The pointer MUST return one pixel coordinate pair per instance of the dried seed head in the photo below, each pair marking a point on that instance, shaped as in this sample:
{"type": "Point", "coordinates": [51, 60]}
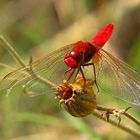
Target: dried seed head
{"type": "Point", "coordinates": [77, 98]}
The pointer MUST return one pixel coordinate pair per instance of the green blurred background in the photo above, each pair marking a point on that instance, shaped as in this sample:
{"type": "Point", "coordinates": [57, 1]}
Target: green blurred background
{"type": "Point", "coordinates": [38, 27]}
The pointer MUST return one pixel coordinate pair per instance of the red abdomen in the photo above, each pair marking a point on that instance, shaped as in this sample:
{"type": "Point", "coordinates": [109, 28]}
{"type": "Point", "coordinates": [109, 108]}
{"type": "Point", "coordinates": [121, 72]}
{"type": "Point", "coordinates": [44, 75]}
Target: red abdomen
{"type": "Point", "coordinates": [81, 53]}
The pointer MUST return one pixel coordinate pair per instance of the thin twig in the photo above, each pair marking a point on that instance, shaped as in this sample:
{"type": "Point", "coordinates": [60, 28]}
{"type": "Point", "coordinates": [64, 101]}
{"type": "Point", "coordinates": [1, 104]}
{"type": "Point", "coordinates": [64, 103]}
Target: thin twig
{"type": "Point", "coordinates": [122, 112]}
{"type": "Point", "coordinates": [45, 81]}
{"type": "Point", "coordinates": [122, 127]}
{"type": "Point", "coordinates": [11, 50]}
{"type": "Point", "coordinates": [132, 118]}
{"type": "Point", "coordinates": [6, 66]}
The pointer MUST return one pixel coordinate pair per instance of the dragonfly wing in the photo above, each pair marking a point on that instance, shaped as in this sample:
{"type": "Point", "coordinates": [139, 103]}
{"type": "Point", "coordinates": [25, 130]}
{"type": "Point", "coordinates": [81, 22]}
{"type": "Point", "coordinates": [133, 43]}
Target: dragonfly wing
{"type": "Point", "coordinates": [13, 78]}
{"type": "Point", "coordinates": [34, 88]}
{"type": "Point", "coordinates": [117, 78]}
{"type": "Point", "coordinates": [51, 67]}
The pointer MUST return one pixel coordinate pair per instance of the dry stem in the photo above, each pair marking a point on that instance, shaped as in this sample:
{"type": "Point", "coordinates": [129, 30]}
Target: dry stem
{"type": "Point", "coordinates": [120, 112]}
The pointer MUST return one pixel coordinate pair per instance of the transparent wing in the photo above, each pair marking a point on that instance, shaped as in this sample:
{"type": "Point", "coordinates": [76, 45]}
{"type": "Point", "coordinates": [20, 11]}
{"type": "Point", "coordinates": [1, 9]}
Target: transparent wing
{"type": "Point", "coordinates": [118, 78]}
{"type": "Point", "coordinates": [51, 68]}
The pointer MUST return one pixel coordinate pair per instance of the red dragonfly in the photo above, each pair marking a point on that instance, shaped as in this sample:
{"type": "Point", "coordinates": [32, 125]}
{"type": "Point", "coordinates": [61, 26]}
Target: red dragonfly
{"type": "Point", "coordinates": [112, 75]}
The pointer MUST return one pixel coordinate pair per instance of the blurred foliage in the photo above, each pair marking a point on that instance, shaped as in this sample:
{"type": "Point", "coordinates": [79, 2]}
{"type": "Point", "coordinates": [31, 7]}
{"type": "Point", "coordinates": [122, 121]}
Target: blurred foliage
{"type": "Point", "coordinates": [38, 27]}
{"type": "Point", "coordinates": [135, 53]}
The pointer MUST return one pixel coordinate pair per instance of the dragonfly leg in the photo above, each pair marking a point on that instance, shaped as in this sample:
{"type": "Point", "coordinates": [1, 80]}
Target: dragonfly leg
{"type": "Point", "coordinates": [94, 70]}
{"type": "Point", "coordinates": [70, 74]}
{"type": "Point", "coordinates": [80, 69]}
{"type": "Point", "coordinates": [73, 70]}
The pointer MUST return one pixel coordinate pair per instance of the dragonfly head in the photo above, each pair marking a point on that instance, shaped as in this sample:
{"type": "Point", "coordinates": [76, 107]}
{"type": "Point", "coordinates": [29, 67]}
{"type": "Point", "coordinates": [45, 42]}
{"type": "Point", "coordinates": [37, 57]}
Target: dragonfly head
{"type": "Point", "coordinates": [71, 59]}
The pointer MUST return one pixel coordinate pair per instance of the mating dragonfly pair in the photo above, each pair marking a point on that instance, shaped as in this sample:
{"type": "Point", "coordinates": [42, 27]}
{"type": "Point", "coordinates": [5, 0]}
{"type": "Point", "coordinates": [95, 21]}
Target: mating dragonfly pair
{"type": "Point", "coordinates": [109, 73]}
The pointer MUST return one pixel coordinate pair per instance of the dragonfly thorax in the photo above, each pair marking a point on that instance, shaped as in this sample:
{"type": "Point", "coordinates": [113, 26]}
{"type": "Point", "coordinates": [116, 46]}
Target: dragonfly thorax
{"type": "Point", "coordinates": [81, 53]}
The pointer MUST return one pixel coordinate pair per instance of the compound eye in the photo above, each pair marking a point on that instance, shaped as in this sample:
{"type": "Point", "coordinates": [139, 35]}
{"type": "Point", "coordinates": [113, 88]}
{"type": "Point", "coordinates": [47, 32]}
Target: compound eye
{"type": "Point", "coordinates": [70, 62]}
{"type": "Point", "coordinates": [73, 54]}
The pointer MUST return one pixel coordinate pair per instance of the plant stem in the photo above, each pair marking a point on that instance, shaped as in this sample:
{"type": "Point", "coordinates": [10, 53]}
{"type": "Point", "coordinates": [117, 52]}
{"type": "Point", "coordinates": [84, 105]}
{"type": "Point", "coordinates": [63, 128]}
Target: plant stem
{"type": "Point", "coordinates": [45, 81]}
{"type": "Point", "coordinates": [122, 127]}
{"type": "Point", "coordinates": [11, 50]}
{"type": "Point", "coordinates": [120, 112]}
{"type": "Point", "coordinates": [6, 66]}
{"type": "Point", "coordinates": [132, 118]}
